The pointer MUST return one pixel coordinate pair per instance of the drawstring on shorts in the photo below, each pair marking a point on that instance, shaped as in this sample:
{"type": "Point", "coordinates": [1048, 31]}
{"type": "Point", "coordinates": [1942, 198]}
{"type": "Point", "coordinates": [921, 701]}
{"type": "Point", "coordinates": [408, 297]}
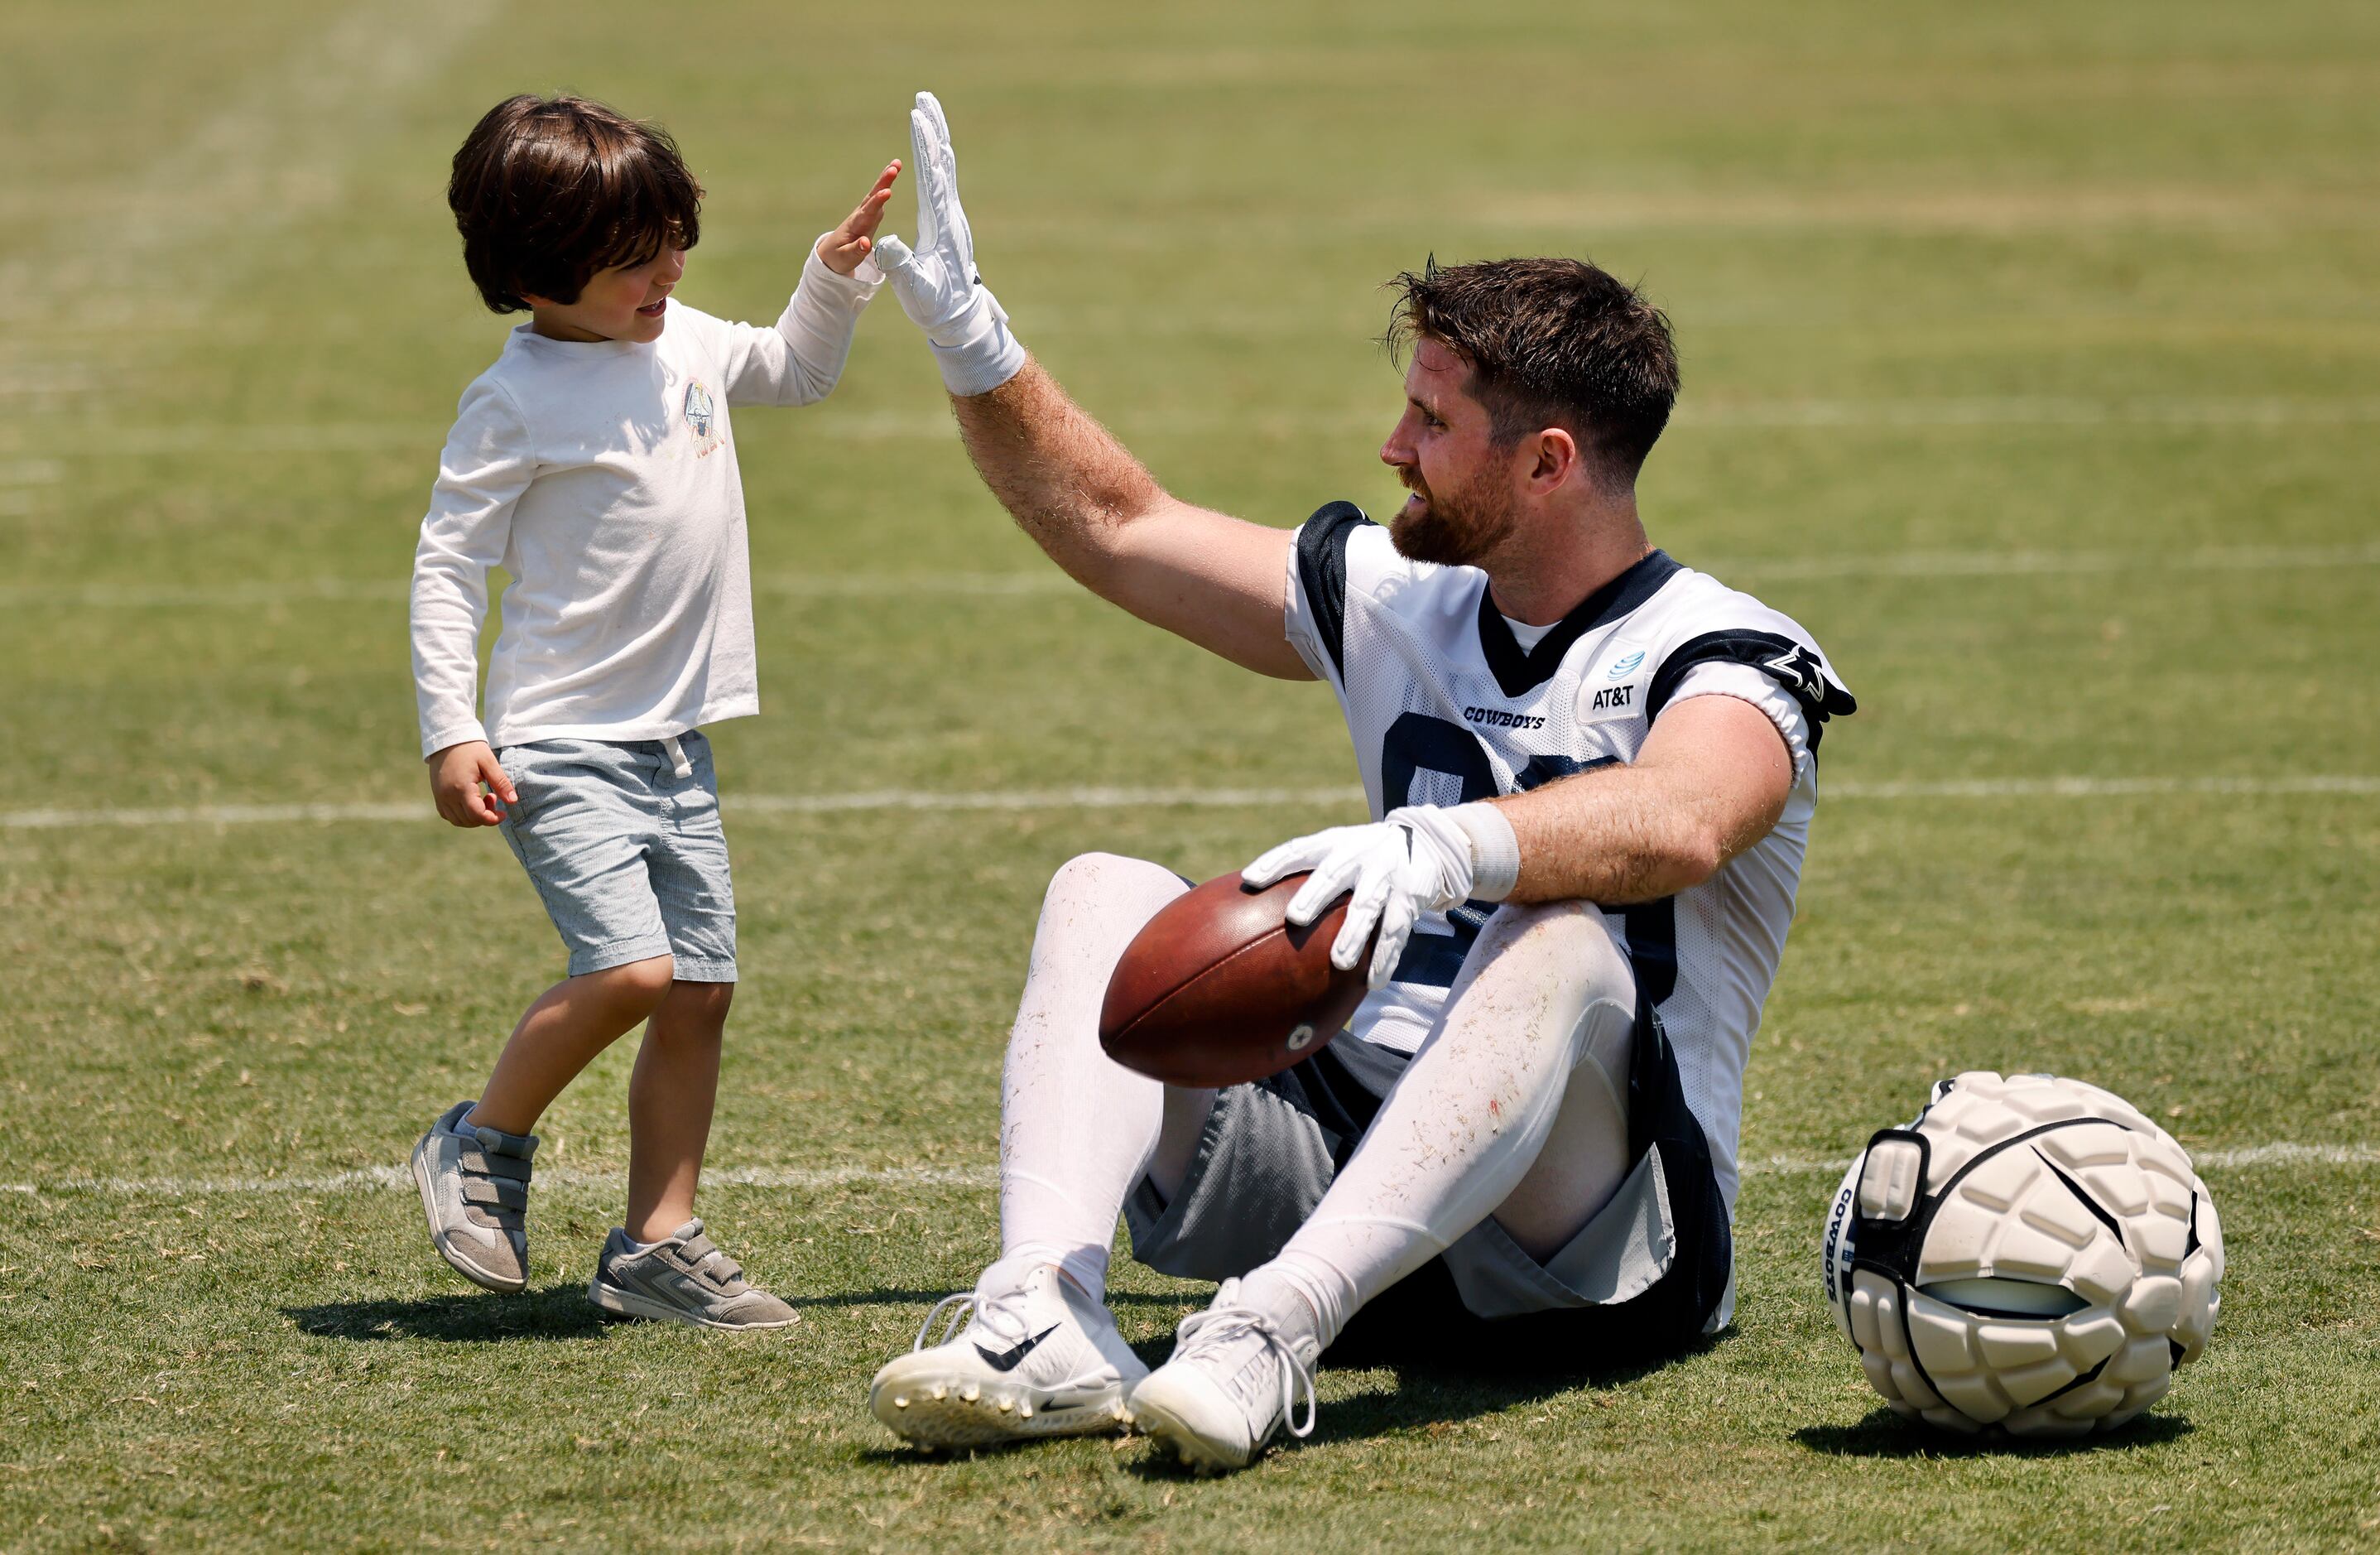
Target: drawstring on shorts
{"type": "Point", "coordinates": [678, 762]}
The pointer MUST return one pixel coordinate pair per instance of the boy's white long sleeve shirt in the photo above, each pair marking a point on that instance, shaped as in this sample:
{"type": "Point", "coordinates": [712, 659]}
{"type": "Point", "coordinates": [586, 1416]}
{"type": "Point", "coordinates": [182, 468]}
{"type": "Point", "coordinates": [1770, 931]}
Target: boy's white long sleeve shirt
{"type": "Point", "coordinates": [601, 476]}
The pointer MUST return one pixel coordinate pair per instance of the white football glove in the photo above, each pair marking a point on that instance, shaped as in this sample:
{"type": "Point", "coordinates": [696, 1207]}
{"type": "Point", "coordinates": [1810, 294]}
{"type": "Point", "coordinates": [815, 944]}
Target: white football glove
{"type": "Point", "coordinates": [936, 282]}
{"type": "Point", "coordinates": [1421, 859]}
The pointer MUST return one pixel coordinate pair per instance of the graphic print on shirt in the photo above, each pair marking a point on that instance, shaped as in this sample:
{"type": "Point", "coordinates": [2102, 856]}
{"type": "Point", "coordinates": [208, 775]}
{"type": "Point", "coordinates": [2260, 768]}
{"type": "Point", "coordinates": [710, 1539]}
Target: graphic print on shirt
{"type": "Point", "coordinates": [700, 414]}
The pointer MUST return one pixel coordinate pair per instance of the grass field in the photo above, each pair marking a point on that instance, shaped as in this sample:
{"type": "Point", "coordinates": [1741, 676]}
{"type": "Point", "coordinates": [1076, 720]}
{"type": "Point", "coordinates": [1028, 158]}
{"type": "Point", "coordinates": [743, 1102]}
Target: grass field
{"type": "Point", "coordinates": [2032, 359]}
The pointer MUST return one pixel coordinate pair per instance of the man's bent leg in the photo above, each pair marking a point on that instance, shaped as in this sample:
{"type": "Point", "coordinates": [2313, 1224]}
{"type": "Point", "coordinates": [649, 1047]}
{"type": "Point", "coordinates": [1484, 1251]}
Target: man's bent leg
{"type": "Point", "coordinates": [1585, 1156]}
{"type": "Point", "coordinates": [1469, 1128]}
{"type": "Point", "coordinates": [1543, 988]}
{"type": "Point", "coordinates": [1077, 1129]}
{"type": "Point", "coordinates": [1031, 1350]}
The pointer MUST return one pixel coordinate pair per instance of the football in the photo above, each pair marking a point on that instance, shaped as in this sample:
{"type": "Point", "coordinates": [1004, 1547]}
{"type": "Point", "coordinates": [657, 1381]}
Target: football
{"type": "Point", "coordinates": [2029, 1255]}
{"type": "Point", "coordinates": [1217, 989]}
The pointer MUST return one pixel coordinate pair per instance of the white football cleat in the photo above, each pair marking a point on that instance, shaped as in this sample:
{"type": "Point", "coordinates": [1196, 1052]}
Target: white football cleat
{"type": "Point", "coordinates": [1038, 1357]}
{"type": "Point", "coordinates": [1232, 1382]}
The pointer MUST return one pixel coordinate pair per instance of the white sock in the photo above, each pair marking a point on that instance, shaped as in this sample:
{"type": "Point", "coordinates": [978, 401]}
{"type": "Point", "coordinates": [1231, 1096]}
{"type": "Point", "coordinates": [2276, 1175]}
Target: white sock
{"type": "Point", "coordinates": [1076, 1128]}
{"type": "Point", "coordinates": [1543, 988]}
{"type": "Point", "coordinates": [1274, 1292]}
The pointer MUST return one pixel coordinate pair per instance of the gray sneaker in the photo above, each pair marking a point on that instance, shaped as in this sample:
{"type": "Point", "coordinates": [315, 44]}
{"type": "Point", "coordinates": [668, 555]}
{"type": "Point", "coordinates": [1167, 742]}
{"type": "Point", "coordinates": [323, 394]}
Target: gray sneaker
{"type": "Point", "coordinates": [683, 1278]}
{"type": "Point", "coordinates": [474, 1185]}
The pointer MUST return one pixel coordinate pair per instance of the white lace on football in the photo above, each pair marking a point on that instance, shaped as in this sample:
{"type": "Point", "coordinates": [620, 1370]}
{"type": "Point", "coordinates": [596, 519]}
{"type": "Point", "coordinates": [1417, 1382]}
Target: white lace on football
{"type": "Point", "coordinates": [1218, 1327]}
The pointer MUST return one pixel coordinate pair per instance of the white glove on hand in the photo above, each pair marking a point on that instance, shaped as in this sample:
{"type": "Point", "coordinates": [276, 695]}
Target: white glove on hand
{"type": "Point", "coordinates": [936, 283]}
{"type": "Point", "coordinates": [1418, 860]}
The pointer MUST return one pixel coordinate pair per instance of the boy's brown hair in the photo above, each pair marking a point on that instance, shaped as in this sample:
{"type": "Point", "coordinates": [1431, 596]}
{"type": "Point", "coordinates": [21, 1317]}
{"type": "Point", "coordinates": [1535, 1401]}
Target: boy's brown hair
{"type": "Point", "coordinates": [1551, 341]}
{"type": "Point", "coordinates": [549, 190]}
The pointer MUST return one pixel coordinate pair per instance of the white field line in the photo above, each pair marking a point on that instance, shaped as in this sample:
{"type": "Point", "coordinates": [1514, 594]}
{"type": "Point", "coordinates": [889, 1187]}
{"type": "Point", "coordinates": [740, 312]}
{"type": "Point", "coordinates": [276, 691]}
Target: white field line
{"type": "Point", "coordinates": [1043, 582]}
{"type": "Point", "coordinates": [381, 1179]}
{"type": "Point", "coordinates": [1996, 211]}
{"type": "Point", "coordinates": [423, 437]}
{"type": "Point", "coordinates": [45, 380]}
{"type": "Point", "coordinates": [735, 804]}
{"type": "Point", "coordinates": [306, 590]}
{"type": "Point", "coordinates": [1980, 411]}
{"type": "Point", "coordinates": [1013, 799]}
{"type": "Point", "coordinates": [2101, 788]}
{"type": "Point", "coordinates": [2053, 564]}
{"type": "Point", "coordinates": [1042, 800]}
{"type": "Point", "coordinates": [2032, 411]}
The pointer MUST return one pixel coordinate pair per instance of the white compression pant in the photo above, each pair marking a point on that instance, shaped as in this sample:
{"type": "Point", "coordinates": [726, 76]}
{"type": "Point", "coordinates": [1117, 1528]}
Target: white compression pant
{"type": "Point", "coordinates": [1512, 1106]}
{"type": "Point", "coordinates": [1486, 1120]}
{"type": "Point", "coordinates": [1076, 1128]}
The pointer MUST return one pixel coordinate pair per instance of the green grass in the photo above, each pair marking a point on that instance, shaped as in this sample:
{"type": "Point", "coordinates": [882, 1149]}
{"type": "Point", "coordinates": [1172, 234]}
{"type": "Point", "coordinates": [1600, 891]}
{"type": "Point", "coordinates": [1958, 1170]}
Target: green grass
{"type": "Point", "coordinates": [2093, 282]}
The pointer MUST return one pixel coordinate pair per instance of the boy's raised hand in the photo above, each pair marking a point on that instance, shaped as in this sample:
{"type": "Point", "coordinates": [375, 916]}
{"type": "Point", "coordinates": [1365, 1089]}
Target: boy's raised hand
{"type": "Point", "coordinates": [456, 774]}
{"type": "Point", "coordinates": [844, 249]}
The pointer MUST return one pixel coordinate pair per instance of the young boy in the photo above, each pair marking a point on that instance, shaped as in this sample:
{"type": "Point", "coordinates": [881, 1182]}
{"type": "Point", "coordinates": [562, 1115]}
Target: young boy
{"type": "Point", "coordinates": [595, 463]}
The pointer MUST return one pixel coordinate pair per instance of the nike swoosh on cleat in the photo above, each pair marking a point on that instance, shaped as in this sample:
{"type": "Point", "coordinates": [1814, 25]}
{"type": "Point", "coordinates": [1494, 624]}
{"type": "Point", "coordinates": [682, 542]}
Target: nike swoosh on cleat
{"type": "Point", "coordinates": [1006, 1360]}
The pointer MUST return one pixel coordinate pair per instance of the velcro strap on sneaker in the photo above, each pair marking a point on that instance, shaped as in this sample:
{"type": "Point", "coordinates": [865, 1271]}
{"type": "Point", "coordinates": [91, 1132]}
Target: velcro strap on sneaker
{"type": "Point", "coordinates": [499, 1143]}
{"type": "Point", "coordinates": [497, 1191]}
{"type": "Point", "coordinates": [704, 1257]}
{"type": "Point", "coordinates": [486, 1164]}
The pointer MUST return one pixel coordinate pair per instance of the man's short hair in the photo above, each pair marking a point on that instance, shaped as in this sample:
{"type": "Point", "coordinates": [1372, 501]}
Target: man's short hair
{"type": "Point", "coordinates": [1551, 341]}
{"type": "Point", "coordinates": [549, 190]}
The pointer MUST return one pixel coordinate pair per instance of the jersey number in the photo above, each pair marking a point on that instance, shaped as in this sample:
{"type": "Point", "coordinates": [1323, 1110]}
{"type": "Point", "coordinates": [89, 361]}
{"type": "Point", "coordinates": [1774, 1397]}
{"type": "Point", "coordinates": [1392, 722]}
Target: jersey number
{"type": "Point", "coordinates": [1427, 760]}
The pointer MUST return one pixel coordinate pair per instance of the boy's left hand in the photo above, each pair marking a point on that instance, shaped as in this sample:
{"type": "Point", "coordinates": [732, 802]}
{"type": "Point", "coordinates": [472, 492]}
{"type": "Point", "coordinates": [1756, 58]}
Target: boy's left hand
{"type": "Point", "coordinates": [843, 249]}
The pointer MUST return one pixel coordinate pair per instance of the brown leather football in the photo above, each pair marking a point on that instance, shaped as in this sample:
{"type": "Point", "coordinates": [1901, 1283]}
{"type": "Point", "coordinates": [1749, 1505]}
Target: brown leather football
{"type": "Point", "coordinates": [1217, 989]}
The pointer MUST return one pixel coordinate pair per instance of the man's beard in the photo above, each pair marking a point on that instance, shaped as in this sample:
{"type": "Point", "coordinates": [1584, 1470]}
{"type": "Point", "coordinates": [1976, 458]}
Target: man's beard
{"type": "Point", "coordinates": [1455, 529]}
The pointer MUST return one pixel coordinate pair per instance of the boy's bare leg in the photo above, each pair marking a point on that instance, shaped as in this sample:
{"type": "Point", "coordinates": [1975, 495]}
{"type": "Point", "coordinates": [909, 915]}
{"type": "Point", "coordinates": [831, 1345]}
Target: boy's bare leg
{"type": "Point", "coordinates": [561, 1034]}
{"type": "Point", "coordinates": [671, 1095]}
{"type": "Point", "coordinates": [473, 1165]}
{"type": "Point", "coordinates": [646, 1269]}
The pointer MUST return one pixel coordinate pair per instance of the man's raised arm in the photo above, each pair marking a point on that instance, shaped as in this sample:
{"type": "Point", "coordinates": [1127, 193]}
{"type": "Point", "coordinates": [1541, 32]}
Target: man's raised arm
{"type": "Point", "coordinates": [1217, 580]}
{"type": "Point", "coordinates": [1214, 579]}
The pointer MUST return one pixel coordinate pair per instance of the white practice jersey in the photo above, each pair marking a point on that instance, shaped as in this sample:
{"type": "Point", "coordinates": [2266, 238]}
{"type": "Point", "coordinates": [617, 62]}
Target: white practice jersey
{"type": "Point", "coordinates": [1445, 706]}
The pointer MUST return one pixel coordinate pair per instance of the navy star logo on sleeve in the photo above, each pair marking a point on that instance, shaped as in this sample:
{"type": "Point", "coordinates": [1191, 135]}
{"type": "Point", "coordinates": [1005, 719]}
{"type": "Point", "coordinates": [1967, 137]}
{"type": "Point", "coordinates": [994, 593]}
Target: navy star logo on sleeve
{"type": "Point", "coordinates": [1799, 669]}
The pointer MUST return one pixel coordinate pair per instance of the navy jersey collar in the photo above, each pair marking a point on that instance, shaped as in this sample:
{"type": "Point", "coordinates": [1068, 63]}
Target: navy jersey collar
{"type": "Point", "coordinates": [1518, 672]}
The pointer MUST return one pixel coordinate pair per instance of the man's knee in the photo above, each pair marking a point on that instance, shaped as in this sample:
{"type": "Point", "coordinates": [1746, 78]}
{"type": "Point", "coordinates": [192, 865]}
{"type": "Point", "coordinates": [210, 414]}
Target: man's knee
{"type": "Point", "coordinates": [1554, 972]}
{"type": "Point", "coordinates": [1081, 876]}
{"type": "Point", "coordinates": [1572, 940]}
{"type": "Point", "coordinates": [1088, 877]}
{"type": "Point", "coordinates": [1097, 901]}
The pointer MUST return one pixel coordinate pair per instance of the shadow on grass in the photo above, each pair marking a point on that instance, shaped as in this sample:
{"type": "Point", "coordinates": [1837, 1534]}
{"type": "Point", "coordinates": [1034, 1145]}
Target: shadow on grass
{"type": "Point", "coordinates": [885, 1295]}
{"type": "Point", "coordinates": [1883, 1434]}
{"type": "Point", "coordinates": [882, 1295]}
{"type": "Point", "coordinates": [908, 1455]}
{"type": "Point", "coordinates": [1449, 1367]}
{"type": "Point", "coordinates": [1439, 1383]}
{"type": "Point", "coordinates": [561, 1311]}
{"type": "Point", "coordinates": [556, 1312]}
{"type": "Point", "coordinates": [1429, 1398]}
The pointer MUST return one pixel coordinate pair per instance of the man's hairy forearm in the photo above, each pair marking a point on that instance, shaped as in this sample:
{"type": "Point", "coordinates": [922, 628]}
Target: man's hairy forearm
{"type": "Point", "coordinates": [1711, 781]}
{"type": "Point", "coordinates": [1068, 482]}
{"type": "Point", "coordinates": [1613, 836]}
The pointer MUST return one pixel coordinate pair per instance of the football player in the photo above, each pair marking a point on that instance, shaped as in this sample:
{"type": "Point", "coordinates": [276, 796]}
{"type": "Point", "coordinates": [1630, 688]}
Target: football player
{"type": "Point", "coordinates": [1592, 773]}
